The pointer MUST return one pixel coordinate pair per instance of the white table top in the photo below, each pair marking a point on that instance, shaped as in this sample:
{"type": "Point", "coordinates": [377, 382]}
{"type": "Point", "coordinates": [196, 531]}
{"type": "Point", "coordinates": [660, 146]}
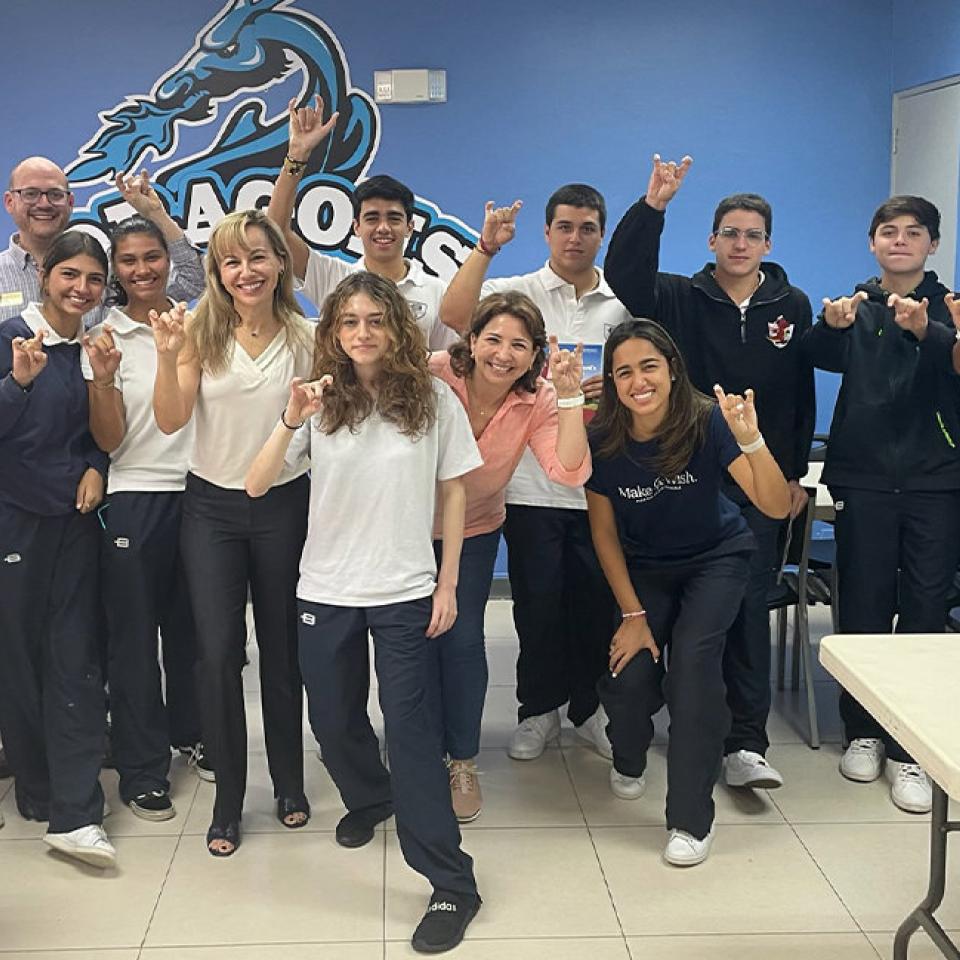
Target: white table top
{"type": "Point", "coordinates": [910, 682]}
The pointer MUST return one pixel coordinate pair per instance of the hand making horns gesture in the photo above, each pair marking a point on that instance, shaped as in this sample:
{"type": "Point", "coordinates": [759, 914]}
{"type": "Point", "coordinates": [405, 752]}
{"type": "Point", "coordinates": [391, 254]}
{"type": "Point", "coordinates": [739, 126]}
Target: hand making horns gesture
{"type": "Point", "coordinates": [29, 358]}
{"type": "Point", "coordinates": [499, 224]}
{"type": "Point", "coordinates": [566, 369]}
{"type": "Point", "coordinates": [103, 355]}
{"type": "Point", "coordinates": [910, 315]}
{"type": "Point", "coordinates": [306, 398]}
{"type": "Point", "coordinates": [169, 328]}
{"type": "Point", "coordinates": [665, 180]}
{"type": "Point", "coordinates": [841, 313]}
{"type": "Point", "coordinates": [307, 129]}
{"type": "Point", "coordinates": [740, 414]}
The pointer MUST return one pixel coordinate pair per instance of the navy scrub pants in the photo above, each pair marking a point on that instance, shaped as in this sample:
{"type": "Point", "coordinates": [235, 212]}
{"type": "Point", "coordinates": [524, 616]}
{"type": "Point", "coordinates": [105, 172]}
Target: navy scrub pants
{"type": "Point", "coordinates": [51, 691]}
{"type": "Point", "coordinates": [746, 657]}
{"type": "Point", "coordinates": [896, 557]}
{"type": "Point", "coordinates": [231, 541]}
{"type": "Point", "coordinates": [562, 608]}
{"type": "Point", "coordinates": [145, 590]}
{"type": "Point", "coordinates": [334, 660]}
{"type": "Point", "coordinates": [689, 610]}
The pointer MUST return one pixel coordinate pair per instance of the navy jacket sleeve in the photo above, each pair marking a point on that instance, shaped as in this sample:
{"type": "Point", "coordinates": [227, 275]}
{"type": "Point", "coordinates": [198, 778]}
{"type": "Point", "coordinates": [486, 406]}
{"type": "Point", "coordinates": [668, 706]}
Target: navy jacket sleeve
{"type": "Point", "coordinates": [826, 347]}
{"type": "Point", "coordinates": [13, 398]}
{"type": "Point", "coordinates": [633, 257]}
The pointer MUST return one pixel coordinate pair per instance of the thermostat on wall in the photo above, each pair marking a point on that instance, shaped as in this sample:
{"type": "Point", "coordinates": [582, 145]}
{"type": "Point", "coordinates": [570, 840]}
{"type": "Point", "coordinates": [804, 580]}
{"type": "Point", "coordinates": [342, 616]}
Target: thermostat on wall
{"type": "Point", "coordinates": [410, 86]}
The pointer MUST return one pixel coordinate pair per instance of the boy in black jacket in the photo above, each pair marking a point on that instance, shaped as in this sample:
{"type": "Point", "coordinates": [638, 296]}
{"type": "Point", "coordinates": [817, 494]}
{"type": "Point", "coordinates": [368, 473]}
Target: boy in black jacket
{"type": "Point", "coordinates": [893, 465]}
{"type": "Point", "coordinates": [739, 322]}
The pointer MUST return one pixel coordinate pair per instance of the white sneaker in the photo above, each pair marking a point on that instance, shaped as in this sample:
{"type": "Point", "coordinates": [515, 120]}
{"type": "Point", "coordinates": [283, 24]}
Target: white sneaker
{"type": "Point", "coordinates": [530, 738]}
{"type": "Point", "coordinates": [862, 760]}
{"type": "Point", "coordinates": [745, 768]}
{"type": "Point", "coordinates": [89, 844]}
{"type": "Point", "coordinates": [910, 787]}
{"type": "Point", "coordinates": [593, 731]}
{"type": "Point", "coordinates": [627, 788]}
{"type": "Point", "coordinates": [685, 850]}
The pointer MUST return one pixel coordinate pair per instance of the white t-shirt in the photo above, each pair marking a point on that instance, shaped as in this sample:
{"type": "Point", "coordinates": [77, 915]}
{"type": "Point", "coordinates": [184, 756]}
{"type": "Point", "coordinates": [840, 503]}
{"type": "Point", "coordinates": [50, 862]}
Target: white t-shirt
{"type": "Point", "coordinates": [237, 409]}
{"type": "Point", "coordinates": [419, 289]}
{"type": "Point", "coordinates": [147, 459]}
{"type": "Point", "coordinates": [372, 495]}
{"type": "Point", "coordinates": [590, 320]}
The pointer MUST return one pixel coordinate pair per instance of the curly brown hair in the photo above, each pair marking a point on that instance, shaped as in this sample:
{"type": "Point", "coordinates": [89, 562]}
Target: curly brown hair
{"type": "Point", "coordinates": [405, 393]}
{"type": "Point", "coordinates": [513, 304]}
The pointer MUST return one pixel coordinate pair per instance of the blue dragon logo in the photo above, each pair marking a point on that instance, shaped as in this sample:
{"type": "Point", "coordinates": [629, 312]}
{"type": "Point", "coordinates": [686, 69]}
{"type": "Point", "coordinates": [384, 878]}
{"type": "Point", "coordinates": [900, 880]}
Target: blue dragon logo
{"type": "Point", "coordinates": [251, 47]}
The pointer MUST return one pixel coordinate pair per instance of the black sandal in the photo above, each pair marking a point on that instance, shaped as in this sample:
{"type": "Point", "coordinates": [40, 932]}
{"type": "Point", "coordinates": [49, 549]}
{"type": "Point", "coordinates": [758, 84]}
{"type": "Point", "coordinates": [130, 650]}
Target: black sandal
{"type": "Point", "coordinates": [290, 807]}
{"type": "Point", "coordinates": [229, 833]}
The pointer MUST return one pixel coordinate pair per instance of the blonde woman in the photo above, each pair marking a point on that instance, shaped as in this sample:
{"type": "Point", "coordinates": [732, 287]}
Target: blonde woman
{"type": "Point", "coordinates": [229, 366]}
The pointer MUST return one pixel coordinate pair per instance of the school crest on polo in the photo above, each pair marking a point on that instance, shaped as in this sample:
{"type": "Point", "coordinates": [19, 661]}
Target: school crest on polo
{"type": "Point", "coordinates": [780, 332]}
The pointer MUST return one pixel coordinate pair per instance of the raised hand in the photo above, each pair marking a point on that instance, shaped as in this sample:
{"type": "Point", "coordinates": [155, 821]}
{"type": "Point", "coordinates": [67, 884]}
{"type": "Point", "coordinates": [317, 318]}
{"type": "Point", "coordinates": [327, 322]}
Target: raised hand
{"type": "Point", "coordinates": [169, 329]}
{"type": "Point", "coordinates": [103, 355]}
{"type": "Point", "coordinates": [307, 129]}
{"type": "Point", "coordinates": [665, 180]}
{"type": "Point", "coordinates": [499, 224]}
{"type": "Point", "coordinates": [29, 358]}
{"type": "Point", "coordinates": [89, 491]}
{"type": "Point", "coordinates": [740, 414]}
{"type": "Point", "coordinates": [566, 369]}
{"type": "Point", "coordinates": [841, 313]}
{"type": "Point", "coordinates": [306, 398]}
{"type": "Point", "coordinates": [953, 305]}
{"type": "Point", "coordinates": [136, 190]}
{"type": "Point", "coordinates": [910, 315]}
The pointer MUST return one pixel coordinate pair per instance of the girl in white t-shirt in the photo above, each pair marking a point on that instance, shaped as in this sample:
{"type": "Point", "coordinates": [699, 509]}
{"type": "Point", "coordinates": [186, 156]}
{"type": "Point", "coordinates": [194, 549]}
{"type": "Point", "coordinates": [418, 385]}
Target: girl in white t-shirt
{"type": "Point", "coordinates": [384, 437]}
{"type": "Point", "coordinates": [229, 366]}
{"type": "Point", "coordinates": [143, 586]}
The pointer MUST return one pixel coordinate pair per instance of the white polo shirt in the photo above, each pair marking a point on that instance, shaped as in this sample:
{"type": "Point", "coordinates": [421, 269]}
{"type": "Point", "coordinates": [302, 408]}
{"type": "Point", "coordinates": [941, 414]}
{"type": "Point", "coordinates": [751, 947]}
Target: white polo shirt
{"type": "Point", "coordinates": [147, 459]}
{"type": "Point", "coordinates": [589, 319]}
{"type": "Point", "coordinates": [418, 288]}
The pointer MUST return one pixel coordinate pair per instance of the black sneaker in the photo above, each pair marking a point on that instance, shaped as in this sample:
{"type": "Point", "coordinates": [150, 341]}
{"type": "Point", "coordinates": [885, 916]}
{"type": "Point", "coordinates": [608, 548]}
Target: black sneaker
{"type": "Point", "coordinates": [197, 758]}
{"type": "Point", "coordinates": [356, 828]}
{"type": "Point", "coordinates": [155, 805]}
{"type": "Point", "coordinates": [445, 922]}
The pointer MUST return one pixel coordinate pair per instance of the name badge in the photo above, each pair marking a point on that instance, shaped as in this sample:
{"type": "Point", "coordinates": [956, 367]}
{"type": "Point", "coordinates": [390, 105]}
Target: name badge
{"type": "Point", "coordinates": [12, 298]}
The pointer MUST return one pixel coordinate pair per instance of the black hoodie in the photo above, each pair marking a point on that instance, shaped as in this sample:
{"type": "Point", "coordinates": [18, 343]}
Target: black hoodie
{"type": "Point", "coordinates": [895, 426]}
{"type": "Point", "coordinates": [759, 348]}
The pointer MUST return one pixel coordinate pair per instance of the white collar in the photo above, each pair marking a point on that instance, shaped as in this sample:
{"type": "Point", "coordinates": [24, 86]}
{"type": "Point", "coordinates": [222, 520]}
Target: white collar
{"type": "Point", "coordinates": [36, 321]}
{"type": "Point", "coordinates": [552, 280]}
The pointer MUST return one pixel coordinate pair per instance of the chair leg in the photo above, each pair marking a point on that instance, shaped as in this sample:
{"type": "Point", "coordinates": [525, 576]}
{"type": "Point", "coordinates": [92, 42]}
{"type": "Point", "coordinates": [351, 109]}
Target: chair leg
{"type": "Point", "coordinates": [834, 600]}
{"type": "Point", "coordinates": [807, 649]}
{"type": "Point", "coordinates": [781, 647]}
{"type": "Point", "coordinates": [795, 651]}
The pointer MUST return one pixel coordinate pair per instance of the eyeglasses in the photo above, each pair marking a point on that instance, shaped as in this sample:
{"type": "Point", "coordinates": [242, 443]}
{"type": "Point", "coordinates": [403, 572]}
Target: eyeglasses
{"type": "Point", "coordinates": [753, 237]}
{"type": "Point", "coordinates": [56, 197]}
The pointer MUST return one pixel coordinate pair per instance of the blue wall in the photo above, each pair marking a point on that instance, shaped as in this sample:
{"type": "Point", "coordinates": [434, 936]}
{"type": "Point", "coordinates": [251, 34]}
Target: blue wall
{"type": "Point", "coordinates": [927, 41]}
{"type": "Point", "coordinates": [789, 100]}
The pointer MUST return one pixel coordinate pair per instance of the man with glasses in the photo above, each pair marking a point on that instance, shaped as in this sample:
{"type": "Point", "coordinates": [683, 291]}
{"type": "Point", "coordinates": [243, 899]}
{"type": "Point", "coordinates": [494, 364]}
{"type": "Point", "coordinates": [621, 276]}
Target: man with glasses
{"type": "Point", "coordinates": [738, 322]}
{"type": "Point", "coordinates": [40, 202]}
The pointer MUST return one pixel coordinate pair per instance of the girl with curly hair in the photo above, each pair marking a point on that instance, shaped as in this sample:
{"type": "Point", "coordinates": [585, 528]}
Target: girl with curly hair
{"type": "Point", "coordinates": [383, 436]}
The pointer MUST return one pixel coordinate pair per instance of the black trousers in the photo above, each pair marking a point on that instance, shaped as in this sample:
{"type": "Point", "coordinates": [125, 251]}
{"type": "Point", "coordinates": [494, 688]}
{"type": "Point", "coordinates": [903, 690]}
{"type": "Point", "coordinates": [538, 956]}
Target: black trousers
{"type": "Point", "coordinates": [231, 541]}
{"type": "Point", "coordinates": [896, 557]}
{"type": "Point", "coordinates": [746, 657]}
{"type": "Point", "coordinates": [145, 590]}
{"type": "Point", "coordinates": [689, 610]}
{"type": "Point", "coordinates": [51, 690]}
{"type": "Point", "coordinates": [335, 662]}
{"type": "Point", "coordinates": [562, 608]}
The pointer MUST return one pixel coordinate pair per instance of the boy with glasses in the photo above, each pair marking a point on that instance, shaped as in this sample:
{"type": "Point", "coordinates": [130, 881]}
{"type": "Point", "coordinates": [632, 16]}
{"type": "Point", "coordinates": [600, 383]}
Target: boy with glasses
{"type": "Point", "coordinates": [738, 322]}
{"type": "Point", "coordinates": [892, 465]}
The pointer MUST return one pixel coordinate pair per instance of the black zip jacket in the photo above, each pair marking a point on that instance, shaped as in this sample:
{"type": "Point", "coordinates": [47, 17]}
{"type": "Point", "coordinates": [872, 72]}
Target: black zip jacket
{"type": "Point", "coordinates": [895, 426]}
{"type": "Point", "coordinates": [759, 348]}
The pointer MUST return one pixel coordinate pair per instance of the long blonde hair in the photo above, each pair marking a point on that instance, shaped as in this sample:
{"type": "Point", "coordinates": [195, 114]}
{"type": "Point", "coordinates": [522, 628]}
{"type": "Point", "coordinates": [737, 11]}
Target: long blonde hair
{"type": "Point", "coordinates": [210, 333]}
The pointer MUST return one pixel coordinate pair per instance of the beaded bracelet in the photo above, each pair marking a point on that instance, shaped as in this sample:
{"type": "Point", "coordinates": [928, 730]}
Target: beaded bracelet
{"type": "Point", "coordinates": [283, 420]}
{"type": "Point", "coordinates": [294, 167]}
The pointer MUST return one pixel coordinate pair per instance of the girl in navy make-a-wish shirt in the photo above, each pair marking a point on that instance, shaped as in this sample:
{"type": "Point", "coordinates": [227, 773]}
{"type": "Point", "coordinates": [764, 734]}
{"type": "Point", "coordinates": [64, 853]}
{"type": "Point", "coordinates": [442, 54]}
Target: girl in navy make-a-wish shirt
{"type": "Point", "coordinates": [674, 550]}
{"type": "Point", "coordinates": [52, 707]}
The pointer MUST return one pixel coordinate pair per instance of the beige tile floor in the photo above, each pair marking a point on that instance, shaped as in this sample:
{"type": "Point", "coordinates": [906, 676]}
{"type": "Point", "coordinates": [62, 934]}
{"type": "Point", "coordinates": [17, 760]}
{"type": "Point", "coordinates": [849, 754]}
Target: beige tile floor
{"type": "Point", "coordinates": [821, 868]}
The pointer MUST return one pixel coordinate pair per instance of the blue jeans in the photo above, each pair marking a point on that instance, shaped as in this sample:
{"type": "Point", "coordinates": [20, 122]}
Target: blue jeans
{"type": "Point", "coordinates": [459, 655]}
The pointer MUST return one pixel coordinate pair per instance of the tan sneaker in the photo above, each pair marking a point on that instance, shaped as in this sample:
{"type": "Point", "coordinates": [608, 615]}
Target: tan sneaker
{"type": "Point", "coordinates": [465, 789]}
